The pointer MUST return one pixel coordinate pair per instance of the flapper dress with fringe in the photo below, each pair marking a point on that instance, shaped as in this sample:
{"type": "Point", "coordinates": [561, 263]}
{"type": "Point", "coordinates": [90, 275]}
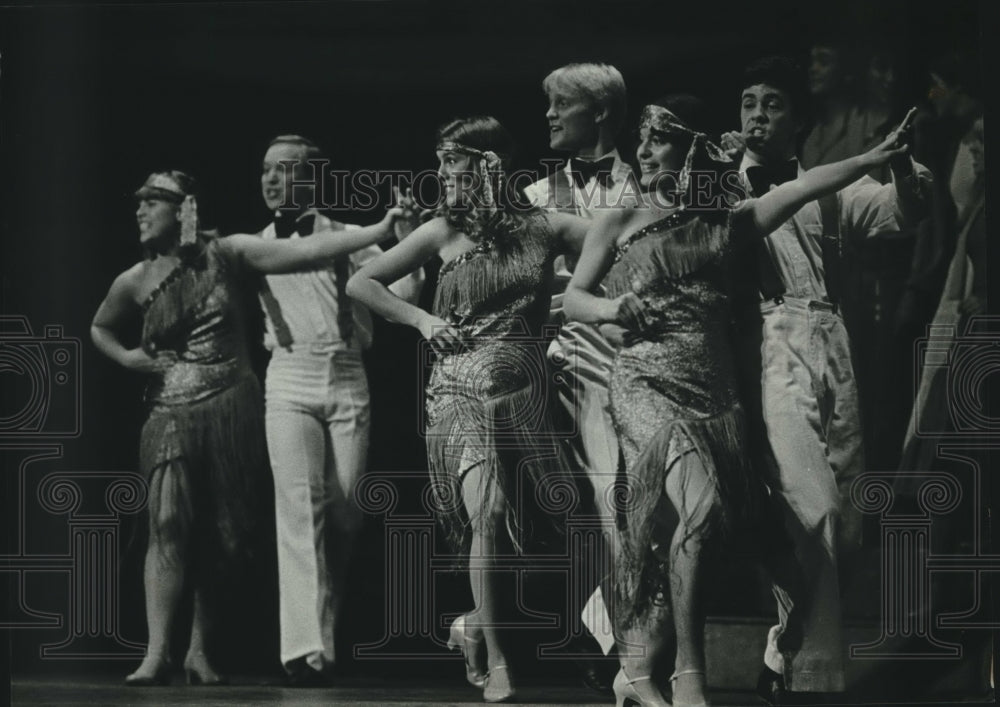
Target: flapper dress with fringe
{"type": "Point", "coordinates": [673, 390]}
{"type": "Point", "coordinates": [205, 420]}
{"type": "Point", "coordinates": [488, 403]}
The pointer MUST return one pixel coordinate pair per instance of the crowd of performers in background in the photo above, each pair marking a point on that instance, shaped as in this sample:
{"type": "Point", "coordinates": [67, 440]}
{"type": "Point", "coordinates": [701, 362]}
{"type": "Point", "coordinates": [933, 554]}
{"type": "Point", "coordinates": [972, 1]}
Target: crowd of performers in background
{"type": "Point", "coordinates": [731, 365]}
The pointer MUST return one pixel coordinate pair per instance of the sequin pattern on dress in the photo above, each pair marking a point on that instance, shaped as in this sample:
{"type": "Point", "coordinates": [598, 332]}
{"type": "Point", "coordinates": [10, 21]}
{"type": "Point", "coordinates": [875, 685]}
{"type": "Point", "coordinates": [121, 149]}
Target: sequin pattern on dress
{"type": "Point", "coordinates": [488, 403]}
{"type": "Point", "coordinates": [673, 390]}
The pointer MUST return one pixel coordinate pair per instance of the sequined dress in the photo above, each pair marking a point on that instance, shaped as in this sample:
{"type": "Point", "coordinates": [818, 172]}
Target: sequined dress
{"type": "Point", "coordinates": [205, 413]}
{"type": "Point", "coordinates": [489, 403]}
{"type": "Point", "coordinates": [673, 391]}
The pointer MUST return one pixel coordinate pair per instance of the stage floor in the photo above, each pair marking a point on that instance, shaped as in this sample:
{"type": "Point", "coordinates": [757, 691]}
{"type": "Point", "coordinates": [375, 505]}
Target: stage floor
{"type": "Point", "coordinates": [108, 691]}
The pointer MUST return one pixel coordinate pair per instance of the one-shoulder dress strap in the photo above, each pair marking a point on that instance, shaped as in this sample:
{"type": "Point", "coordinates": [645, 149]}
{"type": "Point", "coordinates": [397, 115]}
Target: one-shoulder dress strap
{"type": "Point", "coordinates": [657, 226]}
{"type": "Point", "coordinates": [162, 286]}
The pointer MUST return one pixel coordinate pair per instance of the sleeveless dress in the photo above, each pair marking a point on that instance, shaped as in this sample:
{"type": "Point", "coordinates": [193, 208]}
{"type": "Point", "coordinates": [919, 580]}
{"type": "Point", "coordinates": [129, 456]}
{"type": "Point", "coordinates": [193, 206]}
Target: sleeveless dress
{"type": "Point", "coordinates": [673, 390]}
{"type": "Point", "coordinates": [489, 403]}
{"type": "Point", "coordinates": [205, 413]}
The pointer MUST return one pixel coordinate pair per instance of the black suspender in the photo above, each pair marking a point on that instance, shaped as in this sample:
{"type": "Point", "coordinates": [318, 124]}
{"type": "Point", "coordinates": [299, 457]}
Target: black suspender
{"type": "Point", "coordinates": [833, 247]}
{"type": "Point", "coordinates": [771, 285]}
{"type": "Point", "coordinates": [345, 314]}
{"type": "Point", "coordinates": [281, 330]}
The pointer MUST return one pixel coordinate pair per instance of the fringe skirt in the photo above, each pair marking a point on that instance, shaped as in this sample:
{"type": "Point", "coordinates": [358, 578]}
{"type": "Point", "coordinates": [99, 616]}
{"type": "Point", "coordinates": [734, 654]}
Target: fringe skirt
{"type": "Point", "coordinates": [214, 448]}
{"type": "Point", "coordinates": [492, 407]}
{"type": "Point", "coordinates": [660, 419]}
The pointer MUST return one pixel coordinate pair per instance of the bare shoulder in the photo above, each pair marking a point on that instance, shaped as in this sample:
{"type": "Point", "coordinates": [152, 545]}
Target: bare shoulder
{"type": "Point", "coordinates": [131, 280]}
{"type": "Point", "coordinates": [130, 284]}
{"type": "Point", "coordinates": [622, 220]}
{"type": "Point", "coordinates": [635, 217]}
{"type": "Point", "coordinates": [437, 233]}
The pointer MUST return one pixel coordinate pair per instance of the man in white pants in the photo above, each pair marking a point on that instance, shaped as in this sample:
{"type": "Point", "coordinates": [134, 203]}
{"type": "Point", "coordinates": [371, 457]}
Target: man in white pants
{"type": "Point", "coordinates": [586, 112]}
{"type": "Point", "coordinates": [317, 418]}
{"type": "Point", "coordinates": [808, 395]}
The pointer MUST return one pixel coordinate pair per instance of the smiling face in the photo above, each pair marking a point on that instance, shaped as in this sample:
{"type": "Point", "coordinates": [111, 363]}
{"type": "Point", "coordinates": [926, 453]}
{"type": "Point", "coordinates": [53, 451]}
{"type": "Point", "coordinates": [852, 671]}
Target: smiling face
{"type": "Point", "coordinates": [277, 175]}
{"type": "Point", "coordinates": [455, 170]}
{"type": "Point", "coordinates": [573, 122]}
{"type": "Point", "coordinates": [660, 159]}
{"type": "Point", "coordinates": [158, 220]}
{"type": "Point", "coordinates": [769, 126]}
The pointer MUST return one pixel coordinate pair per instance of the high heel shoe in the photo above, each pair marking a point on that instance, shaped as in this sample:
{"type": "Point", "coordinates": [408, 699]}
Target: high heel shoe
{"type": "Point", "coordinates": [160, 676]}
{"type": "Point", "coordinates": [202, 673]}
{"type": "Point", "coordinates": [627, 692]}
{"type": "Point", "coordinates": [679, 703]}
{"type": "Point", "coordinates": [498, 689]}
{"type": "Point", "coordinates": [458, 638]}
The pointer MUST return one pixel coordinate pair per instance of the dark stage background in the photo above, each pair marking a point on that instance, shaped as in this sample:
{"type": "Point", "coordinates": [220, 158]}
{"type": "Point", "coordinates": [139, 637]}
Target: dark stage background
{"type": "Point", "coordinates": [94, 98]}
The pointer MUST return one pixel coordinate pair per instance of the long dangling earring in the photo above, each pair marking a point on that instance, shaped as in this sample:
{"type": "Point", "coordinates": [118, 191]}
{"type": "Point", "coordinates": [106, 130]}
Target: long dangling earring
{"type": "Point", "coordinates": [189, 221]}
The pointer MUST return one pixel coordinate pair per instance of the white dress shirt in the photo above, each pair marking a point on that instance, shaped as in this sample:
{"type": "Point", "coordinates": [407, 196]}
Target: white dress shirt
{"type": "Point", "coordinates": [308, 300]}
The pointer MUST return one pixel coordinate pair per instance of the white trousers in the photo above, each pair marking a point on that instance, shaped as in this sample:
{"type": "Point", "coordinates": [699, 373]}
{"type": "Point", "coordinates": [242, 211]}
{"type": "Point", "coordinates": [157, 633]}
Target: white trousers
{"type": "Point", "coordinates": [317, 424]}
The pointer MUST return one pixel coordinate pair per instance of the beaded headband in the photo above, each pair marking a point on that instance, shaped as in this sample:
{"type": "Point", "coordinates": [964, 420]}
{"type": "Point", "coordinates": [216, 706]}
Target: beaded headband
{"type": "Point", "coordinates": [489, 162]}
{"type": "Point", "coordinates": [663, 120]}
{"type": "Point", "coordinates": [161, 186]}
{"type": "Point", "coordinates": [164, 187]}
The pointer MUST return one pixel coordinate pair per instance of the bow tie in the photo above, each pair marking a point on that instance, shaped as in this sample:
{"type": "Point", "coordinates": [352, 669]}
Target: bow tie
{"type": "Point", "coordinates": [761, 177]}
{"type": "Point", "coordinates": [584, 170]}
{"type": "Point", "coordinates": [287, 224]}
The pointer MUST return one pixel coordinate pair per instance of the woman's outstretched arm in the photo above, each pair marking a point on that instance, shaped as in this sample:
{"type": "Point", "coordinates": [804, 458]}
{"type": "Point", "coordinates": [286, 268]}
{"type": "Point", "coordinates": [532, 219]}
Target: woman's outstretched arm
{"type": "Point", "coordinates": [777, 206]}
{"type": "Point", "coordinates": [288, 255]}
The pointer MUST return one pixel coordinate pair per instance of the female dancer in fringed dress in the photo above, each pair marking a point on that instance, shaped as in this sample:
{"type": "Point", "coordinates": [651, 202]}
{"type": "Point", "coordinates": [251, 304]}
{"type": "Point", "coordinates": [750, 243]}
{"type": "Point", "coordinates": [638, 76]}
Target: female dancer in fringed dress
{"type": "Point", "coordinates": [496, 472]}
{"type": "Point", "coordinates": [673, 387]}
{"type": "Point", "coordinates": [202, 445]}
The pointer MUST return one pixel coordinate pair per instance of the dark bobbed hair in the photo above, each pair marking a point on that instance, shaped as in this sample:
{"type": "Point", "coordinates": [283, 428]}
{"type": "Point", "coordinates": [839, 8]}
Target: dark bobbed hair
{"type": "Point", "coordinates": [784, 73]}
